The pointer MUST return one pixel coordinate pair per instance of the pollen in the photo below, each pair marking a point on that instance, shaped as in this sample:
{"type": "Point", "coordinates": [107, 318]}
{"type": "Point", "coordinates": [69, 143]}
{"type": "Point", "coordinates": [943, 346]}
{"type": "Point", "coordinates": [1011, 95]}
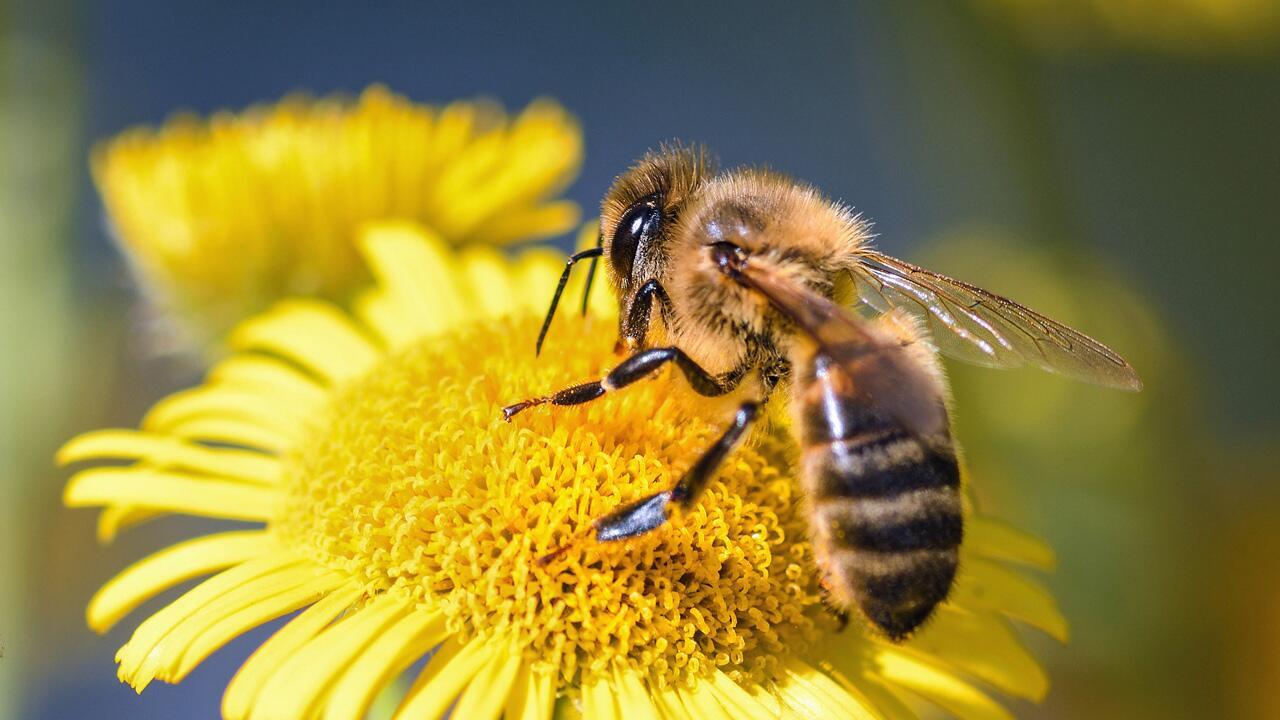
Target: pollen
{"type": "Point", "coordinates": [413, 482]}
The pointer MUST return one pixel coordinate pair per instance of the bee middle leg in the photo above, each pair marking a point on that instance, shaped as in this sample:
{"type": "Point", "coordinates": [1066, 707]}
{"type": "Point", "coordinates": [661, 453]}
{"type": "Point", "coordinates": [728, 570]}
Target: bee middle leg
{"type": "Point", "coordinates": [634, 368]}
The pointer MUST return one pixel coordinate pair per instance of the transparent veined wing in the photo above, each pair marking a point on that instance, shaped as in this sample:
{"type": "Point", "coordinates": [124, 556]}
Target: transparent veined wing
{"type": "Point", "coordinates": [983, 328]}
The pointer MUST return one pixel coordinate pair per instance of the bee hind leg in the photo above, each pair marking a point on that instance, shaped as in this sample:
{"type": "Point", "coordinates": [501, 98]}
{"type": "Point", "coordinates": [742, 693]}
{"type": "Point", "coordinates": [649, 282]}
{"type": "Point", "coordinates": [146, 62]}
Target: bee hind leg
{"type": "Point", "coordinates": [651, 512]}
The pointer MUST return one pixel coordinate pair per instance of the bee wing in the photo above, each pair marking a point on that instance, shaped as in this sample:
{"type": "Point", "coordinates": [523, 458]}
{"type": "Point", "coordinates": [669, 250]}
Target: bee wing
{"type": "Point", "coordinates": [878, 368]}
{"type": "Point", "coordinates": [971, 324]}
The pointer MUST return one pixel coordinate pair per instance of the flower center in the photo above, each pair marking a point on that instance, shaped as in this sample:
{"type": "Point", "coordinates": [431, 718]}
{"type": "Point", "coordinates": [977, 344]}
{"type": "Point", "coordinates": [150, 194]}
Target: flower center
{"type": "Point", "coordinates": [414, 483]}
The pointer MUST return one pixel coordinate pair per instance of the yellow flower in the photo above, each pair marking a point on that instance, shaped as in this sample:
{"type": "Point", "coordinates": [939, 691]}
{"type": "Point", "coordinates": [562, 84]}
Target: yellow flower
{"type": "Point", "coordinates": [221, 218]}
{"type": "Point", "coordinates": [405, 516]}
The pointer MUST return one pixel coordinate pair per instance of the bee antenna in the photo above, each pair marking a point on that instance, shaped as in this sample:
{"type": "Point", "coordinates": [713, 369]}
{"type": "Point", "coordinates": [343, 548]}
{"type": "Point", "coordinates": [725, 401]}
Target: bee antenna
{"type": "Point", "coordinates": [591, 275]}
{"type": "Point", "coordinates": [592, 253]}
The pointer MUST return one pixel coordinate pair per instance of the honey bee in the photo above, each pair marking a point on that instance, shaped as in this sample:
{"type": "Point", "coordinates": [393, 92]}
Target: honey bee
{"type": "Point", "coordinates": [749, 281]}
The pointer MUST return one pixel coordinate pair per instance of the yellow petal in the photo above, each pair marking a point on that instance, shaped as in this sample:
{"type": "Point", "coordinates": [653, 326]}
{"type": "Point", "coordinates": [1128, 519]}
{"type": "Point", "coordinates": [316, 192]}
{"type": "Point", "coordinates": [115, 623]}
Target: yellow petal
{"type": "Point", "coordinates": [738, 703]}
{"type": "Point", "coordinates": [418, 272]}
{"type": "Point", "coordinates": [856, 679]}
{"type": "Point", "coordinates": [633, 698]}
{"type": "Point", "coordinates": [248, 681]}
{"type": "Point", "coordinates": [149, 577]}
{"type": "Point", "coordinates": [313, 334]}
{"type": "Point", "coordinates": [538, 221]}
{"type": "Point", "coordinates": [812, 693]}
{"type": "Point", "coordinates": [982, 644]}
{"type": "Point", "coordinates": [671, 706]}
{"type": "Point", "coordinates": [163, 451]}
{"type": "Point", "coordinates": [233, 431]}
{"type": "Point", "coordinates": [267, 375]}
{"type": "Point", "coordinates": [845, 660]}
{"type": "Point", "coordinates": [297, 688]}
{"type": "Point", "coordinates": [536, 273]}
{"type": "Point", "coordinates": [533, 695]}
{"type": "Point", "coordinates": [392, 323]}
{"type": "Point", "coordinates": [767, 699]}
{"type": "Point", "coordinates": [171, 491]}
{"type": "Point", "coordinates": [598, 699]}
{"type": "Point", "coordinates": [487, 693]}
{"type": "Point", "coordinates": [997, 540]}
{"type": "Point", "coordinates": [448, 672]}
{"type": "Point", "coordinates": [940, 687]}
{"type": "Point", "coordinates": [234, 617]}
{"type": "Point", "coordinates": [484, 272]}
{"type": "Point", "coordinates": [389, 654]}
{"type": "Point", "coordinates": [154, 628]}
{"type": "Point", "coordinates": [218, 402]}
{"type": "Point", "coordinates": [991, 585]}
{"type": "Point", "coordinates": [115, 518]}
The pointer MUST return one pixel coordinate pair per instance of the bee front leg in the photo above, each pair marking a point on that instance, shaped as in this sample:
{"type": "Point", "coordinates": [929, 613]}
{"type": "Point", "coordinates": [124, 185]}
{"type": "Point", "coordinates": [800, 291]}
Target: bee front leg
{"type": "Point", "coordinates": [649, 513]}
{"type": "Point", "coordinates": [634, 368]}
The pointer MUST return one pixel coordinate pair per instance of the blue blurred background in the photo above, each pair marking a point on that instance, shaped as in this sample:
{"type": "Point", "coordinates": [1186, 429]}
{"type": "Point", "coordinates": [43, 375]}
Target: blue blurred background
{"type": "Point", "coordinates": [1120, 170]}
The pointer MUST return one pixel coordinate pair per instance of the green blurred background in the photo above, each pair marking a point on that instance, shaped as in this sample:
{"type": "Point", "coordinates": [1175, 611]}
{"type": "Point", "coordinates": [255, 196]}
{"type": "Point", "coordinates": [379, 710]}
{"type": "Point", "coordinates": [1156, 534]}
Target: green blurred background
{"type": "Point", "coordinates": [1114, 164]}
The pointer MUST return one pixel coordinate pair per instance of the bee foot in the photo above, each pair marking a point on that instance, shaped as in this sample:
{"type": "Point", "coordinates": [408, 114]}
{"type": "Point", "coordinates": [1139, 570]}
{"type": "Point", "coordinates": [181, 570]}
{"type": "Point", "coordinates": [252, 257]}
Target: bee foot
{"type": "Point", "coordinates": [511, 411]}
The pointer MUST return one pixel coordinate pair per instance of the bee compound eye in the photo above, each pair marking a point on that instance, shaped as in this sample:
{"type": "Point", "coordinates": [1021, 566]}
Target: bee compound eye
{"type": "Point", "coordinates": [638, 226]}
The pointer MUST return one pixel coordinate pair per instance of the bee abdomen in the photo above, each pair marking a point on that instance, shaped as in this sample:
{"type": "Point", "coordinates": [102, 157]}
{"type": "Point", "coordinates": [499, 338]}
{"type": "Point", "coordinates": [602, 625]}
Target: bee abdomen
{"type": "Point", "coordinates": [922, 519]}
{"type": "Point", "coordinates": [889, 522]}
{"type": "Point", "coordinates": [876, 464]}
{"type": "Point", "coordinates": [897, 591]}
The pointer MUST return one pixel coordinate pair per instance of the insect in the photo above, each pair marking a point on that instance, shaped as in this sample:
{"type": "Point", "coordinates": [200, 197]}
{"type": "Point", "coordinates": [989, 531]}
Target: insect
{"type": "Point", "coordinates": [749, 281]}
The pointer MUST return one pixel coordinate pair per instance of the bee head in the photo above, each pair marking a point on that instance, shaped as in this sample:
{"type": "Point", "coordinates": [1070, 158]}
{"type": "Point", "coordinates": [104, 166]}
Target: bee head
{"type": "Point", "coordinates": [636, 220]}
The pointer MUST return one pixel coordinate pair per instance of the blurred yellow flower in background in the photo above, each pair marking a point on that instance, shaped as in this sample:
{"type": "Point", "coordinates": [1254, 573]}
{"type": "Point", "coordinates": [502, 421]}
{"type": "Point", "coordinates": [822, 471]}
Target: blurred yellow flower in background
{"type": "Point", "coordinates": [404, 518]}
{"type": "Point", "coordinates": [222, 217]}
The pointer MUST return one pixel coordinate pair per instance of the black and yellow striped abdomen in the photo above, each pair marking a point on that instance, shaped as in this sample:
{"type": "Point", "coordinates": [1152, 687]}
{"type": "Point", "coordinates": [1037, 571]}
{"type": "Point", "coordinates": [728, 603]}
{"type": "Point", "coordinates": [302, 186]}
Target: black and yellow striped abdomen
{"type": "Point", "coordinates": [886, 513]}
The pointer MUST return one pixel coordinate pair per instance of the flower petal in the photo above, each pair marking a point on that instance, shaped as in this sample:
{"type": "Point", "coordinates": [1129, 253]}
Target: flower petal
{"type": "Point", "coordinates": [533, 695]}
{"type": "Point", "coordinates": [171, 491]}
{"type": "Point", "coordinates": [234, 616]}
{"type": "Point", "coordinates": [244, 688]}
{"type": "Point", "coordinates": [811, 693]}
{"type": "Point", "coordinates": [164, 451]}
{"type": "Point", "coordinates": [449, 671]}
{"type": "Point", "coordinates": [598, 698]}
{"type": "Point", "coordinates": [149, 577]}
{"type": "Point", "coordinates": [982, 644]}
{"type": "Point", "coordinates": [738, 703]}
{"type": "Point", "coordinates": [997, 540]}
{"type": "Point", "coordinates": [213, 401]}
{"type": "Point", "coordinates": [389, 654]}
{"type": "Point", "coordinates": [115, 518]}
{"type": "Point", "coordinates": [487, 692]}
{"type": "Point", "coordinates": [484, 271]}
{"type": "Point", "coordinates": [301, 682]}
{"type": "Point", "coordinates": [993, 586]}
{"type": "Point", "coordinates": [672, 707]}
{"type": "Point", "coordinates": [633, 698]}
{"type": "Point", "coordinates": [267, 375]}
{"type": "Point", "coordinates": [232, 431]}
{"type": "Point", "coordinates": [313, 334]}
{"type": "Point", "coordinates": [416, 271]}
{"type": "Point", "coordinates": [541, 221]}
{"type": "Point", "coordinates": [154, 629]}
{"type": "Point", "coordinates": [871, 690]}
{"type": "Point", "coordinates": [940, 687]}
